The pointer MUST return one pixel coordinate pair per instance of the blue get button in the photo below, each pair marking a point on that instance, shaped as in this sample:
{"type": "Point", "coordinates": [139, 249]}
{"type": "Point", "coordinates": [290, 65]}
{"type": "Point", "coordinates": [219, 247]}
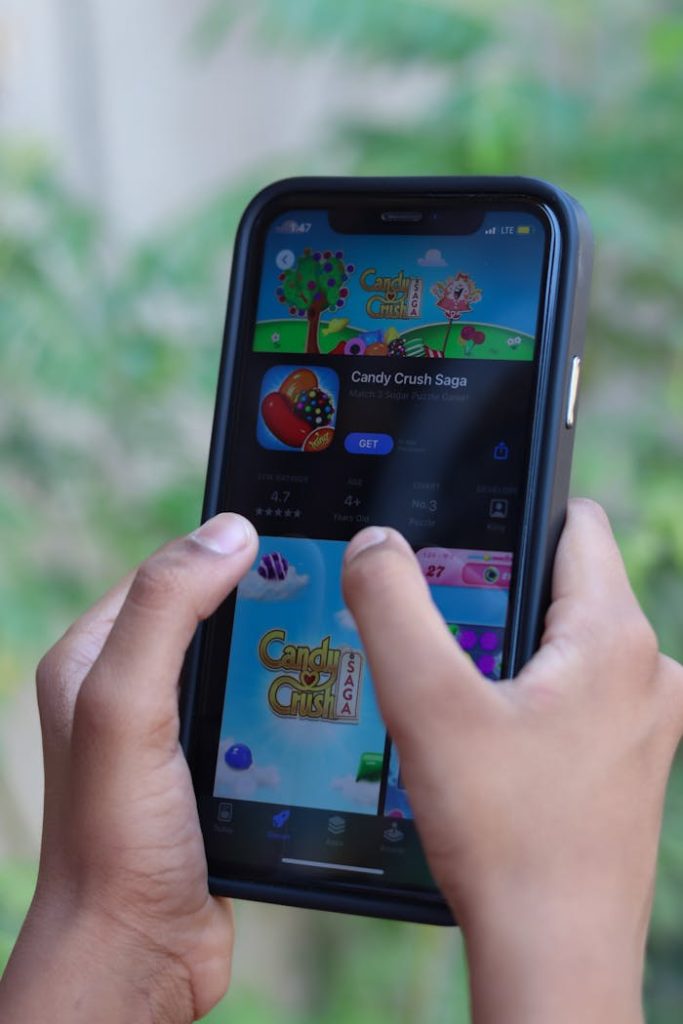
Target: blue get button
{"type": "Point", "coordinates": [368, 444]}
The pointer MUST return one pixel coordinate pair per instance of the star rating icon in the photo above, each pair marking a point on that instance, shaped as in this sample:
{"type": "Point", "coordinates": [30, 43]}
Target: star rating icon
{"type": "Point", "coordinates": [279, 513]}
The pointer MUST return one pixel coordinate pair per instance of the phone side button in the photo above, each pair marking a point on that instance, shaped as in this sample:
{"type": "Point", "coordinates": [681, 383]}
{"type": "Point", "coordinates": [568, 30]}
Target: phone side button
{"type": "Point", "coordinates": [573, 393]}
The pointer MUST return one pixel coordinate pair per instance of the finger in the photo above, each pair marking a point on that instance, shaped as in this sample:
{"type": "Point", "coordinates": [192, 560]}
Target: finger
{"type": "Point", "coordinates": [62, 670]}
{"type": "Point", "coordinates": [588, 562]}
{"type": "Point", "coordinates": [593, 608]}
{"type": "Point", "coordinates": [131, 691]}
{"type": "Point", "coordinates": [421, 676]}
{"type": "Point", "coordinates": [58, 680]}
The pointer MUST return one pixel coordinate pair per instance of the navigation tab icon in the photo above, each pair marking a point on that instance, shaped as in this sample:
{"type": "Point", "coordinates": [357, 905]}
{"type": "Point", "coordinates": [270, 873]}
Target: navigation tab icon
{"type": "Point", "coordinates": [394, 834]}
{"type": "Point", "coordinates": [336, 825]}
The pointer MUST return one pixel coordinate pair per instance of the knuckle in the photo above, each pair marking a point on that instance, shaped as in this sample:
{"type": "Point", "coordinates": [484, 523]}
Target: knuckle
{"type": "Point", "coordinates": [584, 631]}
{"type": "Point", "coordinates": [47, 670]}
{"type": "Point", "coordinates": [157, 582]}
{"type": "Point", "coordinates": [621, 631]}
{"type": "Point", "coordinates": [99, 713]}
{"type": "Point", "coordinates": [641, 645]}
{"type": "Point", "coordinates": [50, 677]}
{"type": "Point", "coordinates": [58, 679]}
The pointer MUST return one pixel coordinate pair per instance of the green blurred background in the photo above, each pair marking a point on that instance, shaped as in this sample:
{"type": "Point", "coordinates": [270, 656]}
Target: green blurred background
{"type": "Point", "coordinates": [125, 159]}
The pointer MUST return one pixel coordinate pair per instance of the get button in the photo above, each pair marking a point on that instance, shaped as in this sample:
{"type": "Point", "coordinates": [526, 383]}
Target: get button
{"type": "Point", "coordinates": [368, 444]}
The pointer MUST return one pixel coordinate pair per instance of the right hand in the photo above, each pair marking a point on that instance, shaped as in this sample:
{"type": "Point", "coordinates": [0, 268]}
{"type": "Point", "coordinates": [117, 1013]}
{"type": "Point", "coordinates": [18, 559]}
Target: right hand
{"type": "Point", "coordinates": [538, 799]}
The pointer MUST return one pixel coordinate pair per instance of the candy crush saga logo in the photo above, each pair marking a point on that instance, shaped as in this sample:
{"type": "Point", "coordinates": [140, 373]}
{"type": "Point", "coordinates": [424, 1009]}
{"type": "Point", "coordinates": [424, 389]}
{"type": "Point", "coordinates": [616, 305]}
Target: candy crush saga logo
{"type": "Point", "coordinates": [398, 297]}
{"type": "Point", "coordinates": [321, 682]}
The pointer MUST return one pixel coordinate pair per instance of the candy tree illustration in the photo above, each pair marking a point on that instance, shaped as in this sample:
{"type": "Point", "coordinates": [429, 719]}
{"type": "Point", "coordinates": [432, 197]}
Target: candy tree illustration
{"type": "Point", "coordinates": [316, 282]}
{"type": "Point", "coordinates": [455, 296]}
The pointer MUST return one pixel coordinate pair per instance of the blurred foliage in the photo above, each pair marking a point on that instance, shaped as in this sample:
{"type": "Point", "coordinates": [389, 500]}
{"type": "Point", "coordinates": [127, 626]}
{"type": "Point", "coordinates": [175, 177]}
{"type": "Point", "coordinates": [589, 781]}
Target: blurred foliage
{"type": "Point", "coordinates": [16, 889]}
{"type": "Point", "coordinates": [108, 366]}
{"type": "Point", "coordinates": [108, 361]}
{"type": "Point", "coordinates": [384, 30]}
{"type": "Point", "coordinates": [363, 971]}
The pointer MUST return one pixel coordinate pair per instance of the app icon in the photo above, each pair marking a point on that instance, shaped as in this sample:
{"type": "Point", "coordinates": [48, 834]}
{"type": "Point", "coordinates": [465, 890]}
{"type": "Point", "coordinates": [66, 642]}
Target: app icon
{"type": "Point", "coordinates": [281, 818]}
{"type": "Point", "coordinates": [498, 508]}
{"type": "Point", "coordinates": [501, 452]}
{"type": "Point", "coordinates": [297, 408]}
{"type": "Point", "coordinates": [336, 825]}
{"type": "Point", "coordinates": [394, 834]}
{"type": "Point", "coordinates": [224, 812]}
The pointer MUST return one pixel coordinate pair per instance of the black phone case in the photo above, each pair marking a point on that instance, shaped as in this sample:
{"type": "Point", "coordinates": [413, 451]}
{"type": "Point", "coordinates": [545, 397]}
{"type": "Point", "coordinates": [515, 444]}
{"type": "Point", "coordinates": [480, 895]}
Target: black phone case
{"type": "Point", "coordinates": [549, 466]}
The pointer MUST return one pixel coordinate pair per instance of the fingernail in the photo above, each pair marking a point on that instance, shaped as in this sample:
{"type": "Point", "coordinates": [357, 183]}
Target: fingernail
{"type": "Point", "coordinates": [363, 540]}
{"type": "Point", "coordinates": [226, 533]}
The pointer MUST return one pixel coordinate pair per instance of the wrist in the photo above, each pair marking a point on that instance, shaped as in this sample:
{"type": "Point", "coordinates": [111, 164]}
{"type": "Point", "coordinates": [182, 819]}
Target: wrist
{"type": "Point", "coordinates": [557, 960]}
{"type": "Point", "coordinates": [78, 966]}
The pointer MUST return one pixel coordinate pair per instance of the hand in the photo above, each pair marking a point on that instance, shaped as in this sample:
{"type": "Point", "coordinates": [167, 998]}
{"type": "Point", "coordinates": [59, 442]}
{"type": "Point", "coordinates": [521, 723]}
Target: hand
{"type": "Point", "coordinates": [538, 799]}
{"type": "Point", "coordinates": [122, 926]}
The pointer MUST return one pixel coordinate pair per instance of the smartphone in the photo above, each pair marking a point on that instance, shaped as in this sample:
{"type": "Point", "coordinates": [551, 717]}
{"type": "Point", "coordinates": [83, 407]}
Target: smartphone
{"type": "Point", "coordinates": [397, 351]}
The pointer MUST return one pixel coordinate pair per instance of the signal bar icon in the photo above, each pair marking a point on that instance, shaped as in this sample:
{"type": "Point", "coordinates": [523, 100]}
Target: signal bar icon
{"type": "Point", "coordinates": [490, 231]}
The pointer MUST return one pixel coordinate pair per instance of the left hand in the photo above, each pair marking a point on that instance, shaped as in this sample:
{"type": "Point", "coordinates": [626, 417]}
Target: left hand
{"type": "Point", "coordinates": [122, 926]}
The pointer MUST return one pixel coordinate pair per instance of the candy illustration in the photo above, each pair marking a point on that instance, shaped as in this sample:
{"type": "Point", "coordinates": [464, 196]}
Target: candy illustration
{"type": "Point", "coordinates": [373, 337]}
{"type": "Point", "coordinates": [280, 418]}
{"type": "Point", "coordinates": [239, 757]}
{"type": "Point", "coordinates": [486, 663]}
{"type": "Point", "coordinates": [397, 347]}
{"type": "Point", "coordinates": [338, 350]}
{"type": "Point", "coordinates": [378, 348]}
{"type": "Point", "coordinates": [469, 337]}
{"type": "Point", "coordinates": [273, 566]}
{"type": "Point", "coordinates": [314, 406]}
{"type": "Point", "coordinates": [355, 347]}
{"type": "Point", "coordinates": [296, 382]}
{"type": "Point", "coordinates": [467, 639]}
{"type": "Point", "coordinates": [488, 641]}
{"type": "Point", "coordinates": [370, 767]}
{"type": "Point", "coordinates": [337, 324]}
{"type": "Point", "coordinates": [415, 347]}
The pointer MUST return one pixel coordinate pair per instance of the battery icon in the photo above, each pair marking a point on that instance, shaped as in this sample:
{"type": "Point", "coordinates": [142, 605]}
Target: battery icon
{"type": "Point", "coordinates": [523, 229]}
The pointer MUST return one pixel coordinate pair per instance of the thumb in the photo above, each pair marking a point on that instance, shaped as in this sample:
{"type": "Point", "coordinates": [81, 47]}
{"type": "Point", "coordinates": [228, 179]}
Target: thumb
{"type": "Point", "coordinates": [425, 684]}
{"type": "Point", "coordinates": [131, 690]}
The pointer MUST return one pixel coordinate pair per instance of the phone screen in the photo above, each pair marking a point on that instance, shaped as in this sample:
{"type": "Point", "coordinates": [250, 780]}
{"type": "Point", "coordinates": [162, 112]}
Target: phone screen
{"type": "Point", "coordinates": [387, 374]}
